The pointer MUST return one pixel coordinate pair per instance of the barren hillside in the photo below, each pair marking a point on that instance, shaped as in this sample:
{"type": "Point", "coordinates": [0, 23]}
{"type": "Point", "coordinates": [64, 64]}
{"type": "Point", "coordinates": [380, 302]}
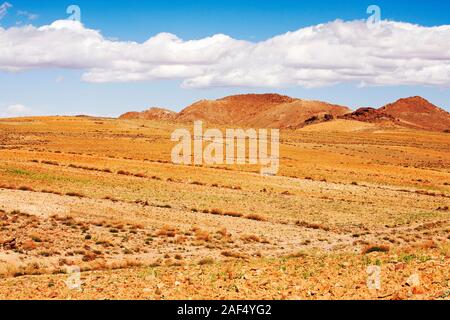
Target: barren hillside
{"type": "Point", "coordinates": [413, 112]}
{"type": "Point", "coordinates": [255, 110]}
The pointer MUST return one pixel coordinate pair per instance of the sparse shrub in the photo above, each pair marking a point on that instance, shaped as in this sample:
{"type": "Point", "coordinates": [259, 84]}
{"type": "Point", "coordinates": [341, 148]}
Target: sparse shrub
{"type": "Point", "coordinates": [375, 248]}
{"type": "Point", "coordinates": [255, 217]}
{"type": "Point", "coordinates": [89, 256]}
{"type": "Point", "coordinates": [75, 194]}
{"type": "Point", "coordinates": [140, 175]}
{"type": "Point", "coordinates": [45, 253]}
{"type": "Point", "coordinates": [205, 261]}
{"type": "Point", "coordinates": [231, 254]}
{"type": "Point", "coordinates": [35, 238]}
{"type": "Point", "coordinates": [29, 245]}
{"type": "Point", "coordinates": [164, 206]}
{"type": "Point", "coordinates": [233, 214]}
{"type": "Point", "coordinates": [429, 244]}
{"type": "Point", "coordinates": [223, 232]}
{"type": "Point", "coordinates": [110, 199]}
{"type": "Point", "coordinates": [26, 188]}
{"type": "Point", "coordinates": [127, 251]}
{"type": "Point", "coordinates": [202, 235]}
{"type": "Point", "coordinates": [52, 163]}
{"type": "Point", "coordinates": [167, 231]}
{"type": "Point", "coordinates": [298, 254]}
{"type": "Point", "coordinates": [51, 192]}
{"type": "Point", "coordinates": [315, 226]}
{"type": "Point", "coordinates": [216, 211]}
{"type": "Point", "coordinates": [99, 223]}
{"type": "Point", "coordinates": [250, 238]}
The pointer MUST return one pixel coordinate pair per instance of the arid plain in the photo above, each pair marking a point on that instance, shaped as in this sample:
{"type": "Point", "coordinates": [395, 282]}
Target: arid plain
{"type": "Point", "coordinates": [103, 194]}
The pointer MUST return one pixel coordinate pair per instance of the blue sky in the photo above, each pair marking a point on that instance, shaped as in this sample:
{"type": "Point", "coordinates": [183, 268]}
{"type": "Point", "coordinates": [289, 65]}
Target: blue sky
{"type": "Point", "coordinates": [61, 91]}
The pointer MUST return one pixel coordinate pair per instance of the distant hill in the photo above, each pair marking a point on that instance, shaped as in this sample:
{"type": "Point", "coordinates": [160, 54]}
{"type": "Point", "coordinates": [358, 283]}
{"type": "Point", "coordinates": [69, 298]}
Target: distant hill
{"type": "Point", "coordinates": [278, 111]}
{"type": "Point", "coordinates": [151, 114]}
{"type": "Point", "coordinates": [253, 110]}
{"type": "Point", "coordinates": [414, 112]}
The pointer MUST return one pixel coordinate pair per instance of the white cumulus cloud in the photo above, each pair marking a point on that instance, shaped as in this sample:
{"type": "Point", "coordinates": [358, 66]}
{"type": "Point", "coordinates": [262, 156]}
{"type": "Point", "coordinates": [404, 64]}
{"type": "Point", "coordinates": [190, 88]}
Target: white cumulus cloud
{"type": "Point", "coordinates": [16, 110]}
{"type": "Point", "coordinates": [394, 53]}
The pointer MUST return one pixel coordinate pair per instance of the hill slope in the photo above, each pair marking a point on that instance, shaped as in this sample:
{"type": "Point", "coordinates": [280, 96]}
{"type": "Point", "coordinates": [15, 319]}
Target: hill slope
{"type": "Point", "coordinates": [418, 113]}
{"type": "Point", "coordinates": [255, 110]}
{"type": "Point", "coordinates": [150, 114]}
{"type": "Point", "coordinates": [278, 111]}
{"type": "Point", "coordinates": [413, 112]}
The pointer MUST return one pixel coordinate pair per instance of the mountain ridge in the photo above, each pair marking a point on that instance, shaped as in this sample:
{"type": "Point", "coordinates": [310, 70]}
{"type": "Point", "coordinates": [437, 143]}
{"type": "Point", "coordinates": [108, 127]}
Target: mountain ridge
{"type": "Point", "coordinates": [412, 112]}
{"type": "Point", "coordinates": [264, 110]}
{"type": "Point", "coordinates": [272, 110]}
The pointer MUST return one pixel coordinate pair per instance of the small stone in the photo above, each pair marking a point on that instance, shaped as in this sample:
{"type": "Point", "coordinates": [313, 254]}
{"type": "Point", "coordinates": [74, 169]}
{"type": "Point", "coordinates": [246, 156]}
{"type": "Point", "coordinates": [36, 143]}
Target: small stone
{"type": "Point", "coordinates": [418, 290]}
{"type": "Point", "coordinates": [413, 280]}
{"type": "Point", "coordinates": [400, 266]}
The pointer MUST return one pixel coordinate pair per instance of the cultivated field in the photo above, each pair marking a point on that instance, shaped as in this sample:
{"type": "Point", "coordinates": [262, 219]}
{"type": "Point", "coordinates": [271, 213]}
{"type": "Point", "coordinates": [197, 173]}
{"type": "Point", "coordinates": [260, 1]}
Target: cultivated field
{"type": "Point", "coordinates": [102, 194]}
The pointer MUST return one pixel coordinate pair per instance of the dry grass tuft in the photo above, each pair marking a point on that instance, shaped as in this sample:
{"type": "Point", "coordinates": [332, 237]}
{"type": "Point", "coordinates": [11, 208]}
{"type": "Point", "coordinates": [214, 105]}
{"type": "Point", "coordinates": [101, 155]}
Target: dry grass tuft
{"type": "Point", "coordinates": [232, 254]}
{"type": "Point", "coordinates": [75, 194]}
{"type": "Point", "coordinates": [216, 211]}
{"type": "Point", "coordinates": [202, 235]}
{"type": "Point", "coordinates": [167, 231]}
{"type": "Point", "coordinates": [315, 226]}
{"type": "Point", "coordinates": [205, 261]}
{"type": "Point", "coordinates": [375, 248]}
{"type": "Point", "coordinates": [233, 214]}
{"type": "Point", "coordinates": [255, 217]}
{"type": "Point", "coordinates": [250, 238]}
{"type": "Point", "coordinates": [26, 188]}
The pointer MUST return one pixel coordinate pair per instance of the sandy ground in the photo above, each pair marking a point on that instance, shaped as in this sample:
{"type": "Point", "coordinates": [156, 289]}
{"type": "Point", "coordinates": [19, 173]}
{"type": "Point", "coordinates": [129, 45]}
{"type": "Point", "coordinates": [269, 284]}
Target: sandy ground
{"type": "Point", "coordinates": [101, 195]}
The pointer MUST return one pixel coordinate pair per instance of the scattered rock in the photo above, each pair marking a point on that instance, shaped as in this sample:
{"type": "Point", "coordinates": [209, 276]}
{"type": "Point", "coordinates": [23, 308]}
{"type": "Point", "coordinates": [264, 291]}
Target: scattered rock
{"type": "Point", "coordinates": [413, 280]}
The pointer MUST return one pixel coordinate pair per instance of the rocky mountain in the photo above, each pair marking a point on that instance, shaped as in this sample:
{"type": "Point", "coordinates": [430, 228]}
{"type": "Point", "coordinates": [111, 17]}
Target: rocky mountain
{"type": "Point", "coordinates": [252, 110]}
{"type": "Point", "coordinates": [278, 111]}
{"type": "Point", "coordinates": [414, 112]}
{"type": "Point", "coordinates": [418, 113]}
